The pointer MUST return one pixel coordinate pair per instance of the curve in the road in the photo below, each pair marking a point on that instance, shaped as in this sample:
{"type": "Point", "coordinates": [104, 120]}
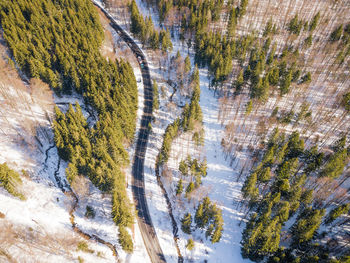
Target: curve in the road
{"type": "Point", "coordinates": [138, 186]}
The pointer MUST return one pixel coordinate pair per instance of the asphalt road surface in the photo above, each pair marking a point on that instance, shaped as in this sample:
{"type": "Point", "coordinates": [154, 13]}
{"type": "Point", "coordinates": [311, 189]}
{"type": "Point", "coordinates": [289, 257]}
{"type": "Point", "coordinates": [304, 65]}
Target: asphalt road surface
{"type": "Point", "coordinates": [138, 185]}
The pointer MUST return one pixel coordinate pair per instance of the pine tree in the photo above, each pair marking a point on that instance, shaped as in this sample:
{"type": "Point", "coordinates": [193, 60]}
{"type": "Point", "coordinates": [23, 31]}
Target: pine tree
{"type": "Point", "coordinates": [125, 240]}
{"type": "Point", "coordinates": [307, 224]}
{"type": "Point", "coordinates": [231, 26]}
{"type": "Point", "coordinates": [336, 34]}
{"type": "Point", "coordinates": [155, 96]}
{"type": "Point", "coordinates": [249, 189]}
{"type": "Point", "coordinates": [337, 212]}
{"type": "Point", "coordinates": [190, 244]}
{"type": "Point", "coordinates": [186, 223]}
{"type": "Point", "coordinates": [198, 219]}
{"type": "Point", "coordinates": [179, 188]}
{"type": "Point", "coordinates": [183, 168]}
{"type": "Point", "coordinates": [314, 22]}
{"type": "Point", "coordinates": [189, 189]}
{"type": "Point", "coordinates": [187, 64]}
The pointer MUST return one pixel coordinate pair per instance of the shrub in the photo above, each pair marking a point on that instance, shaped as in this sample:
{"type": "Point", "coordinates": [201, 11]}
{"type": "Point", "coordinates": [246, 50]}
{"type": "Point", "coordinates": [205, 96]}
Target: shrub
{"type": "Point", "coordinates": [89, 213]}
{"type": "Point", "coordinates": [190, 244]}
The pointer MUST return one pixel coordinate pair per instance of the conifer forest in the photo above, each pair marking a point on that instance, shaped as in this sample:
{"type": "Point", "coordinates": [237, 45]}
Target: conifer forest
{"type": "Point", "coordinates": [175, 131]}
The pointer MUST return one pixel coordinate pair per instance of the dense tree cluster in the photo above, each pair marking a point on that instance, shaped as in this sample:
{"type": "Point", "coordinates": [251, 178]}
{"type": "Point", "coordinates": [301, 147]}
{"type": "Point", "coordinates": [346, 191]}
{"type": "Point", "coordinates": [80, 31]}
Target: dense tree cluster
{"type": "Point", "coordinates": [96, 152]}
{"type": "Point", "coordinates": [216, 52]}
{"type": "Point", "coordinates": [59, 41]}
{"type": "Point", "coordinates": [10, 180]}
{"type": "Point", "coordinates": [208, 217]}
{"type": "Point", "coordinates": [193, 168]}
{"type": "Point", "coordinates": [276, 190]}
{"type": "Point", "coordinates": [341, 33]}
{"type": "Point", "coordinates": [145, 31]}
{"type": "Point", "coordinates": [198, 16]}
{"type": "Point", "coordinates": [48, 39]}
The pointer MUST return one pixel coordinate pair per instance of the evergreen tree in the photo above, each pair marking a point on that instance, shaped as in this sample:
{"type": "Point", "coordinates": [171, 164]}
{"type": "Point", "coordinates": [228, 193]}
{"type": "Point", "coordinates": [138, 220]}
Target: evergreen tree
{"type": "Point", "coordinates": [307, 224]}
{"type": "Point", "coordinates": [187, 64]}
{"type": "Point", "coordinates": [336, 34]}
{"type": "Point", "coordinates": [155, 96]}
{"type": "Point", "coordinates": [314, 22]}
{"type": "Point", "coordinates": [337, 212]}
{"type": "Point", "coordinates": [189, 189]}
{"type": "Point", "coordinates": [179, 188]}
{"type": "Point", "coordinates": [186, 223]}
{"type": "Point", "coordinates": [125, 240]}
{"type": "Point", "coordinates": [249, 189]}
{"type": "Point", "coordinates": [190, 244]}
{"type": "Point", "coordinates": [10, 180]}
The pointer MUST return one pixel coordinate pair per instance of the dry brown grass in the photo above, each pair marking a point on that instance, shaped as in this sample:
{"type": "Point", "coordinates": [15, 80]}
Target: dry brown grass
{"type": "Point", "coordinates": [25, 108]}
{"type": "Point", "coordinates": [31, 242]}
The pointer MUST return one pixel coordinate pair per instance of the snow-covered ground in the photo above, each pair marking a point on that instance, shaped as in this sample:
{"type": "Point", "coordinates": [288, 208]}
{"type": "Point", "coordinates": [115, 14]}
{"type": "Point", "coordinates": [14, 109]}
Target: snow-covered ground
{"type": "Point", "coordinates": [26, 142]}
{"type": "Point", "coordinates": [37, 229]}
{"type": "Point", "coordinates": [220, 183]}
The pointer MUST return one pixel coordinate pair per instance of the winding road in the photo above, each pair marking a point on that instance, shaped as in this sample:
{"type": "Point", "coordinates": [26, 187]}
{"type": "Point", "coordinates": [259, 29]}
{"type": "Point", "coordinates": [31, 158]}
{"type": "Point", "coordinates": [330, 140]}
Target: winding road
{"type": "Point", "coordinates": [138, 185]}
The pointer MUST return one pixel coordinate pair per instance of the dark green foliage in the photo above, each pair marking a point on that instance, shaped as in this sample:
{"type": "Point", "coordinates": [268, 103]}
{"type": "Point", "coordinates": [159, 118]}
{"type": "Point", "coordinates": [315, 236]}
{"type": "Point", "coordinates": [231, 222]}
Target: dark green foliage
{"type": "Point", "coordinates": [264, 175]}
{"type": "Point", "coordinates": [10, 180]}
{"type": "Point", "coordinates": [170, 133]}
{"type": "Point", "coordinates": [275, 199]}
{"type": "Point", "coordinates": [183, 167]}
{"type": "Point", "coordinates": [295, 25]}
{"type": "Point", "coordinates": [337, 212]}
{"type": "Point", "coordinates": [125, 240]}
{"type": "Point", "coordinates": [209, 218]}
{"type": "Point", "coordinates": [90, 212]}
{"type": "Point", "coordinates": [179, 188]}
{"type": "Point", "coordinates": [307, 224]}
{"type": "Point", "coordinates": [308, 41]}
{"type": "Point", "coordinates": [186, 223]}
{"type": "Point", "coordinates": [314, 22]}
{"type": "Point", "coordinates": [215, 51]}
{"type": "Point", "coordinates": [268, 28]}
{"type": "Point", "coordinates": [201, 13]}
{"type": "Point", "coordinates": [59, 42]}
{"type": "Point", "coordinates": [286, 80]}
{"type": "Point", "coordinates": [191, 115]}
{"type": "Point", "coordinates": [232, 22]}
{"type": "Point", "coordinates": [249, 107]}
{"type": "Point", "coordinates": [189, 189]}
{"type": "Point", "coordinates": [313, 159]}
{"type": "Point", "coordinates": [306, 78]}
{"type": "Point", "coordinates": [192, 112]}
{"type": "Point", "coordinates": [155, 96]}
{"type": "Point", "coordinates": [239, 82]}
{"type": "Point", "coordinates": [121, 207]}
{"type": "Point", "coordinates": [194, 168]}
{"type": "Point", "coordinates": [249, 189]}
{"type": "Point", "coordinates": [145, 31]}
{"type": "Point", "coordinates": [242, 8]}
{"type": "Point", "coordinates": [55, 40]}
{"type": "Point", "coordinates": [304, 112]}
{"type": "Point", "coordinates": [336, 34]}
{"type": "Point", "coordinates": [187, 64]}
{"type": "Point", "coordinates": [335, 164]}
{"type": "Point", "coordinates": [261, 237]}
